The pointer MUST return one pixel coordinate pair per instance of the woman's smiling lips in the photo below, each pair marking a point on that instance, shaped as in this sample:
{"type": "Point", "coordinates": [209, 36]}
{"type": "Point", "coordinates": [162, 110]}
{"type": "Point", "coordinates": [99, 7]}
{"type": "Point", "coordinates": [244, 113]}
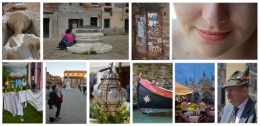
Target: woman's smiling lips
{"type": "Point", "coordinates": [213, 36]}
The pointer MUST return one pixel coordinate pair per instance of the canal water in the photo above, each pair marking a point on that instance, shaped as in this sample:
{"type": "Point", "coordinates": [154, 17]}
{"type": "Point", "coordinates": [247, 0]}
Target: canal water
{"type": "Point", "coordinates": [141, 118]}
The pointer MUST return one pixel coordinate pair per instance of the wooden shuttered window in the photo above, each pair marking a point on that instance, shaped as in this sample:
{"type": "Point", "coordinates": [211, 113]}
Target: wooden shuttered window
{"type": "Point", "coordinates": [77, 22]}
{"type": "Point", "coordinates": [80, 22]}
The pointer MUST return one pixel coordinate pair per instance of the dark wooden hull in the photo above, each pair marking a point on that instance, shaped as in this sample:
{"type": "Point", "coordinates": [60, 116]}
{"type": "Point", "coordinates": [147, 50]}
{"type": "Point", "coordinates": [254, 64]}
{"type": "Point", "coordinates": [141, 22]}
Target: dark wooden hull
{"type": "Point", "coordinates": [152, 100]}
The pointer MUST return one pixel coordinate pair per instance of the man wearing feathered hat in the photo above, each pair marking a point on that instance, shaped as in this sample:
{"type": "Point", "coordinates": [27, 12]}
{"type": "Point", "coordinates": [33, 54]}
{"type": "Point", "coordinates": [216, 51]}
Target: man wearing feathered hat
{"type": "Point", "coordinates": [241, 109]}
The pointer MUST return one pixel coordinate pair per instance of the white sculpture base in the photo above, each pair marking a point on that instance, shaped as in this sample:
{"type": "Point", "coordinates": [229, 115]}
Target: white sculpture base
{"type": "Point", "coordinates": [86, 47]}
{"type": "Point", "coordinates": [67, 83]}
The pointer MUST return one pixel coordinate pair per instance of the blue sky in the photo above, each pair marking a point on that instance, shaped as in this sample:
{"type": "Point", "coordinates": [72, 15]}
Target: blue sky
{"type": "Point", "coordinates": [57, 68]}
{"type": "Point", "coordinates": [186, 71]}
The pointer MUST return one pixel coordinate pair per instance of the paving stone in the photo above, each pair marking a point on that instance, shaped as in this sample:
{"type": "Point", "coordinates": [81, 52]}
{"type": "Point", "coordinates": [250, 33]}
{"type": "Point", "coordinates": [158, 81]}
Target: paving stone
{"type": "Point", "coordinates": [120, 50]}
{"type": "Point", "coordinates": [73, 108]}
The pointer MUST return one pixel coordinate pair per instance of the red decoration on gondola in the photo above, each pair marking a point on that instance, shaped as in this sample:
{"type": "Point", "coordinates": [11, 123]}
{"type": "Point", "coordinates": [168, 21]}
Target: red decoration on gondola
{"type": "Point", "coordinates": [245, 78]}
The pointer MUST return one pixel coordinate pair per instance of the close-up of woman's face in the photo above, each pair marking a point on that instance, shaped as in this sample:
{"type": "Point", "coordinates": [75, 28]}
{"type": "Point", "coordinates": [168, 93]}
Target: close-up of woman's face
{"type": "Point", "coordinates": [216, 28]}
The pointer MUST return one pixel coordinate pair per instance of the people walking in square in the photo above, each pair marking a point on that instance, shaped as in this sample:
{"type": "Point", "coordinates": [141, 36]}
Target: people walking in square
{"type": "Point", "coordinates": [59, 100]}
{"type": "Point", "coordinates": [84, 90]}
{"type": "Point", "coordinates": [52, 102]}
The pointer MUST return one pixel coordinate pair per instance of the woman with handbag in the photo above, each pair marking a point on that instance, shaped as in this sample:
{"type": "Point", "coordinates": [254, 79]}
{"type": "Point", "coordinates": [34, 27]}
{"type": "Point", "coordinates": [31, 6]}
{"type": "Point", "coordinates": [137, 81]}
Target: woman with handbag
{"type": "Point", "coordinates": [58, 102]}
{"type": "Point", "coordinates": [52, 102]}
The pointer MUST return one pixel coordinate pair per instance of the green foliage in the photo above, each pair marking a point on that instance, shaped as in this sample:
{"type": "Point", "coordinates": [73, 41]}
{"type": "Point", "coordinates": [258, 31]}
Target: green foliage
{"type": "Point", "coordinates": [134, 97]}
{"type": "Point", "coordinates": [5, 73]}
{"type": "Point", "coordinates": [93, 52]}
{"type": "Point", "coordinates": [30, 116]}
{"type": "Point", "coordinates": [121, 116]}
{"type": "Point", "coordinates": [12, 89]}
{"type": "Point", "coordinates": [25, 78]}
{"type": "Point", "coordinates": [84, 53]}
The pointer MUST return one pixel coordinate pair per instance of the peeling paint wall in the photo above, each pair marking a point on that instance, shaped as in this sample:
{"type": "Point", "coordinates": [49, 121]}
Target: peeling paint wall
{"type": "Point", "coordinates": [165, 9]}
{"type": "Point", "coordinates": [52, 25]}
{"type": "Point", "coordinates": [75, 11]}
{"type": "Point", "coordinates": [60, 13]}
{"type": "Point", "coordinates": [117, 17]}
{"type": "Point", "coordinates": [50, 7]}
{"type": "Point", "coordinates": [53, 28]}
{"type": "Point", "coordinates": [59, 19]}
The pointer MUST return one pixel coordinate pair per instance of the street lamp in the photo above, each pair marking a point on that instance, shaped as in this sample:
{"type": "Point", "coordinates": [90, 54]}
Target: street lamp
{"type": "Point", "coordinates": [109, 93]}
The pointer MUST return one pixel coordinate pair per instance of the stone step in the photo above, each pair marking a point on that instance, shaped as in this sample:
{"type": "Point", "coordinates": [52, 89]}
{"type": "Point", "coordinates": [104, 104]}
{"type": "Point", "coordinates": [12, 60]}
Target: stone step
{"type": "Point", "coordinates": [86, 47]}
{"type": "Point", "coordinates": [89, 40]}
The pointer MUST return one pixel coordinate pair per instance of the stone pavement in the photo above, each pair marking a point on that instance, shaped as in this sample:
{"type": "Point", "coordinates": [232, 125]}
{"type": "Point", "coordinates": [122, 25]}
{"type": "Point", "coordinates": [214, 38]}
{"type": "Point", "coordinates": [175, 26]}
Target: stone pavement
{"type": "Point", "coordinates": [73, 108]}
{"type": "Point", "coordinates": [120, 49]}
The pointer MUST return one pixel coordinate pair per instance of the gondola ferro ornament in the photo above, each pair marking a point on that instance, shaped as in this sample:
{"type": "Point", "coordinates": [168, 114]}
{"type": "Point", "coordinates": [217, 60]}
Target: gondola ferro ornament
{"type": "Point", "coordinates": [109, 94]}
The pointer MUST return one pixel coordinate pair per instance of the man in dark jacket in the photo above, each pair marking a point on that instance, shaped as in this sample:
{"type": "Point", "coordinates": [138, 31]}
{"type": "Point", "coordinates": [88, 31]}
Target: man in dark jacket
{"type": "Point", "coordinates": [84, 89]}
{"type": "Point", "coordinates": [52, 100]}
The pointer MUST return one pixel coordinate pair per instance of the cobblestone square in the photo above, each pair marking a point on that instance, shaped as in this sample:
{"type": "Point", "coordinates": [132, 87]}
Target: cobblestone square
{"type": "Point", "coordinates": [120, 50]}
{"type": "Point", "coordinates": [73, 108]}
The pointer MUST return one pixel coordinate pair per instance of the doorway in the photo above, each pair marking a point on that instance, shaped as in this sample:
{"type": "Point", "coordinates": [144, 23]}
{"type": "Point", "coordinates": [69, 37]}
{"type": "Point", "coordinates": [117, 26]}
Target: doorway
{"type": "Point", "coordinates": [93, 21]}
{"type": "Point", "coordinates": [126, 26]}
{"type": "Point", "coordinates": [46, 27]}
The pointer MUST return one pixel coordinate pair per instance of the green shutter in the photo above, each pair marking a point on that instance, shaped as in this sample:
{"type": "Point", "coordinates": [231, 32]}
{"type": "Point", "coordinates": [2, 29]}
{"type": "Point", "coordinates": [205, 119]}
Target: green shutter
{"type": "Point", "coordinates": [107, 23]}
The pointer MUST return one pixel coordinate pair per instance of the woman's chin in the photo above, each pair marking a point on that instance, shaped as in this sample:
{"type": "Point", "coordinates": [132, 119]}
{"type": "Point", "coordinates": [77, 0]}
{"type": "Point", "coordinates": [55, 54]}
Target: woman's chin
{"type": "Point", "coordinates": [212, 52]}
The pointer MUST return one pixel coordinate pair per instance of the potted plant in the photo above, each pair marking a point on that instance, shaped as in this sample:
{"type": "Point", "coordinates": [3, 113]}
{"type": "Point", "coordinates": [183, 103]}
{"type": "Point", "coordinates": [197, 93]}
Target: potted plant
{"type": "Point", "coordinates": [121, 116]}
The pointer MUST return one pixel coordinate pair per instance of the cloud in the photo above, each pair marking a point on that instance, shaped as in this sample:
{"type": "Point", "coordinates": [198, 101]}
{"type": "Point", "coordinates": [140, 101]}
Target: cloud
{"type": "Point", "coordinates": [17, 69]}
{"type": "Point", "coordinates": [16, 74]}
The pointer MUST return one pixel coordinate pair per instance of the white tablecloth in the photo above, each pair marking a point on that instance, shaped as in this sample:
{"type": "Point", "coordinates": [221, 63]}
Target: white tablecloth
{"type": "Point", "coordinates": [193, 119]}
{"type": "Point", "coordinates": [186, 114]}
{"type": "Point", "coordinates": [196, 112]}
{"type": "Point", "coordinates": [211, 113]}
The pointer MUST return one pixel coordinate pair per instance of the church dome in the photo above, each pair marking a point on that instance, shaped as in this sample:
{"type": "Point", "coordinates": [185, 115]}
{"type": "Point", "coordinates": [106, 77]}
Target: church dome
{"type": "Point", "coordinates": [204, 79]}
{"type": "Point", "coordinates": [189, 83]}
